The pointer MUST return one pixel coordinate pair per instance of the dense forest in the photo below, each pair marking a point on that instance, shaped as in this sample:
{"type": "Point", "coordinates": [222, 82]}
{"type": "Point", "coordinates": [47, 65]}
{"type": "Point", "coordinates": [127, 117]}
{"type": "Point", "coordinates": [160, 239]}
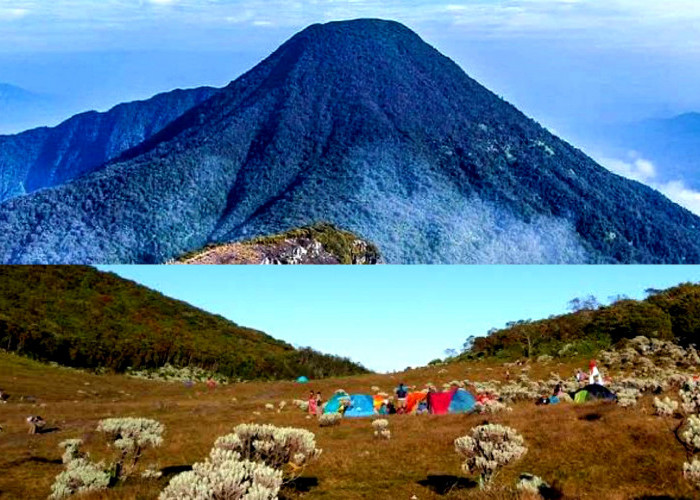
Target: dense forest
{"type": "Point", "coordinates": [672, 314]}
{"type": "Point", "coordinates": [81, 317]}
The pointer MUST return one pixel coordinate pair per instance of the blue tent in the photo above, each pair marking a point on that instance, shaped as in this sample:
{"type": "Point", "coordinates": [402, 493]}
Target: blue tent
{"type": "Point", "coordinates": [462, 402]}
{"type": "Point", "coordinates": [361, 405]}
{"type": "Point", "coordinates": [302, 380]}
{"type": "Point", "coordinates": [333, 404]}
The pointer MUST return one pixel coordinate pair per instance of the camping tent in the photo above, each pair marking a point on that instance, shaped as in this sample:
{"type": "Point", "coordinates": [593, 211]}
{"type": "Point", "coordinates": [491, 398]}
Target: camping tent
{"type": "Point", "coordinates": [333, 404]}
{"type": "Point", "coordinates": [455, 401]}
{"type": "Point", "coordinates": [462, 402]}
{"type": "Point", "coordinates": [592, 392]}
{"type": "Point", "coordinates": [302, 380]}
{"type": "Point", "coordinates": [361, 405]}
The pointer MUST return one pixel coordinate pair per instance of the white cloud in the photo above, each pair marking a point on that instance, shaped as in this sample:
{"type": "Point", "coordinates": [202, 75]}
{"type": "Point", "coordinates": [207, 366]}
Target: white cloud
{"type": "Point", "coordinates": [9, 14]}
{"type": "Point", "coordinates": [644, 171]}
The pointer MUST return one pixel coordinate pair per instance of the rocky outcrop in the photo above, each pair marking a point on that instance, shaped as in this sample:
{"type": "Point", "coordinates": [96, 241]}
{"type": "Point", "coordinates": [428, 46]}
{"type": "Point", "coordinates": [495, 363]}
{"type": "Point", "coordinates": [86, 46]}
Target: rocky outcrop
{"type": "Point", "coordinates": [320, 244]}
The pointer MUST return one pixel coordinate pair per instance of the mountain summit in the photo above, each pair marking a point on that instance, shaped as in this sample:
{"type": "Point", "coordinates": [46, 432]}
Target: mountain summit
{"type": "Point", "coordinates": [361, 124]}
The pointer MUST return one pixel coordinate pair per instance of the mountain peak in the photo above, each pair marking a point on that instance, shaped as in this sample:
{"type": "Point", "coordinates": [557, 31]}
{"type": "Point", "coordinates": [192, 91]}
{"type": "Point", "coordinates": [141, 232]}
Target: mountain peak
{"type": "Point", "coordinates": [364, 125]}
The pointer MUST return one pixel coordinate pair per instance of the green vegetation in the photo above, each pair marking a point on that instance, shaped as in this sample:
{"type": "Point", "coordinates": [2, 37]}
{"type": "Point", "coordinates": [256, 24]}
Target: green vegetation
{"type": "Point", "coordinates": [78, 316]}
{"type": "Point", "coordinates": [672, 314]}
{"type": "Point", "coordinates": [339, 243]}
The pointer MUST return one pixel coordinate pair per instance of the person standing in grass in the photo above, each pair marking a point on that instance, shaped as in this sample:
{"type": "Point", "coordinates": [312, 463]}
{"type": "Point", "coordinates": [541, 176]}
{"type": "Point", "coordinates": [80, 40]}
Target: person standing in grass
{"type": "Point", "coordinates": [319, 402]}
{"type": "Point", "coordinates": [313, 407]}
{"type": "Point", "coordinates": [401, 395]}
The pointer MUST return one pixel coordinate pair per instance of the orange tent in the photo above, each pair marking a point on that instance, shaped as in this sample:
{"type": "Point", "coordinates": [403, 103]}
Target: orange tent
{"type": "Point", "coordinates": [412, 400]}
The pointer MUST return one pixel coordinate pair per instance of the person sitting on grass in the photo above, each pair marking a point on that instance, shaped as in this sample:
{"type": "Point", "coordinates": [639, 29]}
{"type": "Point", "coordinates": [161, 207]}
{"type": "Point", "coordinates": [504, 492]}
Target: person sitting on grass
{"type": "Point", "coordinates": [36, 424]}
{"type": "Point", "coordinates": [390, 408]}
{"type": "Point", "coordinates": [422, 407]}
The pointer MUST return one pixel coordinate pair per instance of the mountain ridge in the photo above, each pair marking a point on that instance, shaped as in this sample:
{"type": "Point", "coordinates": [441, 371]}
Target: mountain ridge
{"type": "Point", "coordinates": [361, 124]}
{"type": "Point", "coordinates": [48, 156]}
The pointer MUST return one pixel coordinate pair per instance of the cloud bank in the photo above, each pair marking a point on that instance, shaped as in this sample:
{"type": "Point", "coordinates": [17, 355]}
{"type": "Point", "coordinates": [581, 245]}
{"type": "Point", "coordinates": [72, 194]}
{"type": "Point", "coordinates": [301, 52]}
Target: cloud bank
{"type": "Point", "coordinates": [639, 169]}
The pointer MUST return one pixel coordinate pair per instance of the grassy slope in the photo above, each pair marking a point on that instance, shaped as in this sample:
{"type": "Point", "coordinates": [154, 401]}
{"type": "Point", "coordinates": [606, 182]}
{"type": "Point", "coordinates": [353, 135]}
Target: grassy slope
{"type": "Point", "coordinates": [81, 317]}
{"type": "Point", "coordinates": [625, 454]}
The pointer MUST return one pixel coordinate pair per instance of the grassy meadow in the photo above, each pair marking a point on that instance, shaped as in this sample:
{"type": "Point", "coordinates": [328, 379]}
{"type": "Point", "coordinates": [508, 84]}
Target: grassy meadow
{"type": "Point", "coordinates": [593, 451]}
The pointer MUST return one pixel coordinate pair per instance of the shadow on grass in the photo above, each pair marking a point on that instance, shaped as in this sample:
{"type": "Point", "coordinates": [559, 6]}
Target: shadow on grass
{"type": "Point", "coordinates": [174, 469]}
{"type": "Point", "coordinates": [34, 460]}
{"type": "Point", "coordinates": [444, 484]}
{"type": "Point", "coordinates": [49, 430]}
{"type": "Point", "coordinates": [591, 417]}
{"type": "Point", "coordinates": [302, 484]}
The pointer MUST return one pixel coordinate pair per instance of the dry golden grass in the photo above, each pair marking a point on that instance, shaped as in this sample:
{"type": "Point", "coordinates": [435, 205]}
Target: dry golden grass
{"type": "Point", "coordinates": [623, 454]}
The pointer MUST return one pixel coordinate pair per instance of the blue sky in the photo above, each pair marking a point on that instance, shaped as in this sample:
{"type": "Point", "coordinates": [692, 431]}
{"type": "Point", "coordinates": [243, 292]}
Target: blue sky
{"type": "Point", "coordinates": [390, 317]}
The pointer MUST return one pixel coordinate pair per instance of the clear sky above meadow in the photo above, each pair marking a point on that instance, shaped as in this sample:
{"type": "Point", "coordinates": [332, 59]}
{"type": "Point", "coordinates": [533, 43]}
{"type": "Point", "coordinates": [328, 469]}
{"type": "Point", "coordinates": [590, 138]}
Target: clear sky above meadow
{"type": "Point", "coordinates": [390, 317]}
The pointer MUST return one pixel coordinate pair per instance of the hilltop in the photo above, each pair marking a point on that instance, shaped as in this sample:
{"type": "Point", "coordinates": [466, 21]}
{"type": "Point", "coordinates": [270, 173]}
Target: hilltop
{"type": "Point", "coordinates": [317, 244]}
{"type": "Point", "coordinates": [84, 318]}
{"type": "Point", "coordinates": [364, 125]}
{"type": "Point", "coordinates": [669, 315]}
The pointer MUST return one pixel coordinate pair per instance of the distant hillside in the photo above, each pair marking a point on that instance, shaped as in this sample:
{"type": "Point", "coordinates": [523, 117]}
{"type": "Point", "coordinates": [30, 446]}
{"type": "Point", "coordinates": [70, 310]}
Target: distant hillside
{"type": "Point", "coordinates": [81, 317]}
{"type": "Point", "coordinates": [317, 244]}
{"type": "Point", "coordinates": [672, 314]}
{"type": "Point", "coordinates": [364, 125]}
{"type": "Point", "coordinates": [45, 157]}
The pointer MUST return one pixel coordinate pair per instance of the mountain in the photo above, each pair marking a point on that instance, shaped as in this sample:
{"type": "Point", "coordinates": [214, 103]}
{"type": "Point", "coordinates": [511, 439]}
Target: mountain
{"type": "Point", "coordinates": [19, 107]}
{"type": "Point", "coordinates": [672, 145]}
{"type": "Point", "coordinates": [46, 157]}
{"type": "Point", "coordinates": [78, 316]}
{"type": "Point", "coordinates": [363, 125]}
{"type": "Point", "coordinates": [672, 314]}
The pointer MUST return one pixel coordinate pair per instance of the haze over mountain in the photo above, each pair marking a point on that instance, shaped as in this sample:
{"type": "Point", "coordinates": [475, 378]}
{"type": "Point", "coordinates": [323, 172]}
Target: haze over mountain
{"type": "Point", "coordinates": [671, 144]}
{"type": "Point", "coordinates": [19, 107]}
{"type": "Point", "coordinates": [363, 125]}
{"type": "Point", "coordinates": [45, 157]}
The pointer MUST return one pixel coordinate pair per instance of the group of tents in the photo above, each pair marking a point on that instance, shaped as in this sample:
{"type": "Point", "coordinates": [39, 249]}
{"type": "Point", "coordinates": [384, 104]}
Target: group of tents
{"type": "Point", "coordinates": [366, 405]}
{"type": "Point", "coordinates": [440, 403]}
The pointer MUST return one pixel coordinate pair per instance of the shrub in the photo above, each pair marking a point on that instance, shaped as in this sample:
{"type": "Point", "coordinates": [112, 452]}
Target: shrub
{"type": "Point", "coordinates": [691, 433]}
{"type": "Point", "coordinates": [691, 471]}
{"type": "Point", "coordinates": [71, 450]}
{"type": "Point", "coordinates": [690, 396]}
{"type": "Point", "coordinates": [329, 419]}
{"type": "Point", "coordinates": [665, 407]}
{"type": "Point", "coordinates": [529, 483]}
{"type": "Point", "coordinates": [229, 480]}
{"type": "Point", "coordinates": [80, 476]}
{"type": "Point", "coordinates": [487, 448]}
{"type": "Point", "coordinates": [131, 436]}
{"type": "Point", "coordinates": [490, 406]}
{"type": "Point", "coordinates": [381, 428]}
{"type": "Point", "coordinates": [627, 397]}
{"type": "Point", "coordinates": [284, 448]}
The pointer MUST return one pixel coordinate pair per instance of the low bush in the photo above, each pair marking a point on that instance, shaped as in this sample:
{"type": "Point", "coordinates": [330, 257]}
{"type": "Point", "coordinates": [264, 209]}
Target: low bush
{"type": "Point", "coordinates": [487, 448]}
